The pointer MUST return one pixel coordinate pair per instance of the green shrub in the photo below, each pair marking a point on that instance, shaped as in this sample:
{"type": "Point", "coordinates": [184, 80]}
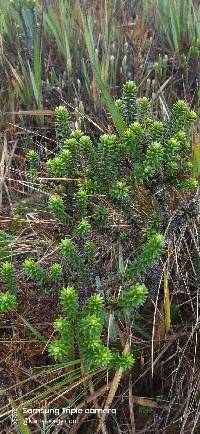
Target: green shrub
{"type": "Point", "coordinates": [55, 273]}
{"type": "Point", "coordinates": [83, 228]}
{"type": "Point", "coordinates": [152, 154]}
{"type": "Point", "coordinates": [8, 275]}
{"type": "Point", "coordinates": [7, 301]}
{"type": "Point", "coordinates": [83, 327]}
{"type": "Point", "coordinates": [56, 206]}
{"type": "Point", "coordinates": [34, 271]}
{"type": "Point", "coordinates": [101, 216]}
{"type": "Point", "coordinates": [62, 123]}
{"type": "Point", "coordinates": [134, 297]}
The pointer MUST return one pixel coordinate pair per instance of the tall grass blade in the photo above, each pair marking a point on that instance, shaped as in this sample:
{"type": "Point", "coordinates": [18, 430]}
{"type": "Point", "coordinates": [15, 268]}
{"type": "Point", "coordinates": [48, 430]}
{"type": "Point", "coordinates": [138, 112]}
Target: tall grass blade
{"type": "Point", "coordinates": [37, 69]}
{"type": "Point", "coordinates": [114, 112]}
{"type": "Point", "coordinates": [174, 26]}
{"type": "Point", "coordinates": [33, 330]}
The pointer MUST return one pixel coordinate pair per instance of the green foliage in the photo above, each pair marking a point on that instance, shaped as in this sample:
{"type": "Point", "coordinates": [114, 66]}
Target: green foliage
{"type": "Point", "coordinates": [88, 155]}
{"type": "Point", "coordinates": [85, 325]}
{"type": "Point", "coordinates": [83, 228]}
{"type": "Point", "coordinates": [128, 107]}
{"type": "Point", "coordinates": [56, 167]}
{"type": "Point", "coordinates": [95, 305]}
{"type": "Point", "coordinates": [125, 360]}
{"type": "Point", "coordinates": [120, 192]}
{"type": "Point", "coordinates": [155, 131]}
{"type": "Point", "coordinates": [153, 226]}
{"type": "Point", "coordinates": [34, 271]}
{"type": "Point", "coordinates": [58, 350]}
{"type": "Point", "coordinates": [151, 252]}
{"type": "Point", "coordinates": [7, 301]}
{"type": "Point", "coordinates": [62, 120]}
{"type": "Point", "coordinates": [101, 215]}
{"type": "Point", "coordinates": [110, 154]}
{"type": "Point", "coordinates": [56, 206]}
{"type": "Point", "coordinates": [33, 159]}
{"type": "Point", "coordinates": [69, 302]}
{"type": "Point", "coordinates": [55, 273]}
{"type": "Point", "coordinates": [20, 34]}
{"type": "Point", "coordinates": [134, 297]}
{"type": "Point", "coordinates": [181, 119]}
{"type": "Point", "coordinates": [62, 348]}
{"type": "Point", "coordinates": [81, 201]}
{"type": "Point", "coordinates": [7, 274]}
{"type": "Point", "coordinates": [151, 147]}
{"type": "Point", "coordinates": [154, 159]}
{"type": "Point", "coordinates": [90, 331]}
{"type": "Point", "coordinates": [154, 146]}
{"type": "Point", "coordinates": [63, 327]}
{"type": "Point", "coordinates": [134, 142]}
{"type": "Point", "coordinates": [143, 110]}
{"type": "Point", "coordinates": [150, 154]}
{"type": "Point", "coordinates": [69, 251]}
{"type": "Point", "coordinates": [101, 356]}
{"type": "Point", "coordinates": [94, 353]}
{"type": "Point", "coordinates": [189, 184]}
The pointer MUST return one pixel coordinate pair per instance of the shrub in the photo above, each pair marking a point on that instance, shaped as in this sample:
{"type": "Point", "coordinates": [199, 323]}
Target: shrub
{"type": "Point", "coordinates": [7, 274]}
{"type": "Point", "coordinates": [99, 209]}
{"type": "Point", "coordinates": [34, 271]}
{"type": "Point", "coordinates": [7, 301]}
{"type": "Point", "coordinates": [84, 326]}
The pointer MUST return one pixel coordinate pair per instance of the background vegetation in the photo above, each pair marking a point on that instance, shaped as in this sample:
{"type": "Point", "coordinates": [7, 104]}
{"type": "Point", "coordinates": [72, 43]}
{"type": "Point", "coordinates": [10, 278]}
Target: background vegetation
{"type": "Point", "coordinates": [118, 226]}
